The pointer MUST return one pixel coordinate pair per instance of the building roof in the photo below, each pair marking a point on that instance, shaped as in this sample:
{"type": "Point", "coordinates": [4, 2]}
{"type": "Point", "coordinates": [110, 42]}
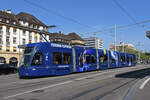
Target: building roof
{"type": "Point", "coordinates": [74, 36]}
{"type": "Point", "coordinates": [29, 18]}
{"type": "Point", "coordinates": [59, 35]}
{"type": "Point", "coordinates": [10, 16]}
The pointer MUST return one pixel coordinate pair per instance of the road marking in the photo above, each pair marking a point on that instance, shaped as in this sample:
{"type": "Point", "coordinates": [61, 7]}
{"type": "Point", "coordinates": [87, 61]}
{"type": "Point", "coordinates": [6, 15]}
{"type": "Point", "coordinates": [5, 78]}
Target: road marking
{"type": "Point", "coordinates": [37, 89]}
{"type": "Point", "coordinates": [144, 83]}
{"type": "Point", "coordinates": [54, 85]}
{"type": "Point", "coordinates": [50, 86]}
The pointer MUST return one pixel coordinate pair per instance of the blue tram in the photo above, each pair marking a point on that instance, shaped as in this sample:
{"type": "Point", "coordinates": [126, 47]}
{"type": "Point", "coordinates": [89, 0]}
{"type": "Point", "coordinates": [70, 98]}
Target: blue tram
{"type": "Point", "coordinates": [44, 59]}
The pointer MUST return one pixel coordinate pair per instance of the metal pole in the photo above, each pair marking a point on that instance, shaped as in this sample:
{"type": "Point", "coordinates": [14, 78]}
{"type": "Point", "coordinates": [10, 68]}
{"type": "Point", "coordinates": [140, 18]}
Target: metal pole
{"type": "Point", "coordinates": [139, 57]}
{"type": "Point", "coordinates": [123, 44]}
{"type": "Point", "coordinates": [115, 38]}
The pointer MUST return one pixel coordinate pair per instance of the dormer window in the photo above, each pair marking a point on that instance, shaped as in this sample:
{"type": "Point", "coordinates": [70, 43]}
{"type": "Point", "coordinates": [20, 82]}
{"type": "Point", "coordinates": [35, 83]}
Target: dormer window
{"type": "Point", "coordinates": [14, 23]}
{"type": "Point", "coordinates": [31, 26]}
{"type": "Point", "coordinates": [7, 21]}
{"type": "Point", "coordinates": [26, 24]}
{"type": "Point", "coordinates": [41, 28]}
{"type": "Point", "coordinates": [35, 27]}
{"type": "Point", "coordinates": [21, 23]}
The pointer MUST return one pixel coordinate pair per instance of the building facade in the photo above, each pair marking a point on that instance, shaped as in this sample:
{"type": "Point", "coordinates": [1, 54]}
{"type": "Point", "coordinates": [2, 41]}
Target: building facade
{"type": "Point", "coordinates": [71, 38]}
{"type": "Point", "coordinates": [94, 42]}
{"type": "Point", "coordinates": [24, 28]}
{"type": "Point", "coordinates": [121, 45]}
{"type": "Point", "coordinates": [19, 29]}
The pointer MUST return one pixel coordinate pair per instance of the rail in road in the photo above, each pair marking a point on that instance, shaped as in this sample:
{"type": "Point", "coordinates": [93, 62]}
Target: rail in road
{"type": "Point", "coordinates": [112, 84]}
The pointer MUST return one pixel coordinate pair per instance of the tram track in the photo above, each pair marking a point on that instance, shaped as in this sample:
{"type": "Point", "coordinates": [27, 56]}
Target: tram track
{"type": "Point", "coordinates": [121, 83]}
{"type": "Point", "coordinates": [45, 82]}
{"type": "Point", "coordinates": [28, 86]}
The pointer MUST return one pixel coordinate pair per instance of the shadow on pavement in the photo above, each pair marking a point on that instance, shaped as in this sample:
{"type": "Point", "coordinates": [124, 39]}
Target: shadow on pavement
{"type": "Point", "coordinates": [135, 74]}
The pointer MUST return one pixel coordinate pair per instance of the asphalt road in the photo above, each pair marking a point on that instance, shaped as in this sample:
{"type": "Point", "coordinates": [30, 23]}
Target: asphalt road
{"type": "Point", "coordinates": [130, 83]}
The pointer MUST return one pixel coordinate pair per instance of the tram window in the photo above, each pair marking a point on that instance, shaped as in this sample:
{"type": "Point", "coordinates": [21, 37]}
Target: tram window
{"type": "Point", "coordinates": [131, 59]}
{"type": "Point", "coordinates": [105, 58]}
{"type": "Point", "coordinates": [67, 58]}
{"type": "Point", "coordinates": [80, 59]}
{"type": "Point", "coordinates": [93, 58]}
{"type": "Point", "coordinates": [122, 58]}
{"type": "Point", "coordinates": [37, 59]}
{"type": "Point", "coordinates": [57, 58]}
{"type": "Point", "coordinates": [113, 60]}
{"type": "Point", "coordinates": [88, 59]}
{"type": "Point", "coordinates": [127, 59]}
{"type": "Point", "coordinates": [101, 59]}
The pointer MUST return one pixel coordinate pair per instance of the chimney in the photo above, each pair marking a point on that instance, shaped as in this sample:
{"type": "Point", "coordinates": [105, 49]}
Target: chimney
{"type": "Point", "coordinates": [59, 32]}
{"type": "Point", "coordinates": [9, 11]}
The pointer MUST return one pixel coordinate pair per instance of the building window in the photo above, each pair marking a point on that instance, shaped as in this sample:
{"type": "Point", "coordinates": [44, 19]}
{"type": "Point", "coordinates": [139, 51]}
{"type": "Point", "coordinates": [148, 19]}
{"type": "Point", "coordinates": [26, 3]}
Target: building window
{"type": "Point", "coordinates": [0, 48]}
{"type": "Point", "coordinates": [23, 41]}
{"type": "Point", "coordinates": [30, 36]}
{"type": "Point", "coordinates": [14, 49]}
{"type": "Point", "coordinates": [41, 38]}
{"type": "Point", "coordinates": [1, 42]}
{"type": "Point", "coordinates": [0, 19]}
{"type": "Point", "coordinates": [35, 27]}
{"type": "Point", "coordinates": [7, 31]}
{"type": "Point", "coordinates": [57, 58]}
{"type": "Point", "coordinates": [24, 33]}
{"type": "Point", "coordinates": [7, 41]}
{"type": "Point", "coordinates": [14, 23]}
{"type": "Point", "coordinates": [15, 31]}
{"type": "Point", "coordinates": [67, 58]}
{"type": "Point", "coordinates": [1, 31]}
{"type": "Point", "coordinates": [35, 35]}
{"type": "Point", "coordinates": [7, 21]}
{"type": "Point", "coordinates": [31, 26]}
{"type": "Point", "coordinates": [14, 40]}
{"type": "Point", "coordinates": [7, 48]}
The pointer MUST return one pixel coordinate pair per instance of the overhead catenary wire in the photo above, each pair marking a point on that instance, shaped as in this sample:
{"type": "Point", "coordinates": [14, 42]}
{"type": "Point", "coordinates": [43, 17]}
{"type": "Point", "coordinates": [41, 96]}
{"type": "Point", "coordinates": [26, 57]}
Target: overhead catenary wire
{"type": "Point", "coordinates": [102, 31]}
{"type": "Point", "coordinates": [126, 12]}
{"type": "Point", "coordinates": [58, 14]}
{"type": "Point", "coordinates": [64, 17]}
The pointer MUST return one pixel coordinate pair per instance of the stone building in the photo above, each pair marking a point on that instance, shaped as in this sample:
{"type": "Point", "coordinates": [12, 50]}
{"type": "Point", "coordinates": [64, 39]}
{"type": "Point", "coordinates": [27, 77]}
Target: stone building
{"type": "Point", "coordinates": [17, 30]}
{"type": "Point", "coordinates": [94, 42]}
{"type": "Point", "coordinates": [71, 38]}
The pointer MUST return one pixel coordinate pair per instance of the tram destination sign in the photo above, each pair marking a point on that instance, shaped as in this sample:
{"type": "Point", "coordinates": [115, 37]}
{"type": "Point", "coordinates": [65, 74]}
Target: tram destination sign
{"type": "Point", "coordinates": [61, 45]}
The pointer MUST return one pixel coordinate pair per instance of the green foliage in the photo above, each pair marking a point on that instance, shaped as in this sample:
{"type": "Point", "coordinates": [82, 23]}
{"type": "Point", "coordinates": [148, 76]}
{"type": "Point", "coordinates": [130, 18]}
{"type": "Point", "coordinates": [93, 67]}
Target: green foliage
{"type": "Point", "coordinates": [143, 55]}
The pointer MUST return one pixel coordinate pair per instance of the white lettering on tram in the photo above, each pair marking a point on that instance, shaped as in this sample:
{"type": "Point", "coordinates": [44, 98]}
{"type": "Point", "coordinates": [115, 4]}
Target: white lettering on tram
{"type": "Point", "coordinates": [63, 66]}
{"type": "Point", "coordinates": [60, 45]}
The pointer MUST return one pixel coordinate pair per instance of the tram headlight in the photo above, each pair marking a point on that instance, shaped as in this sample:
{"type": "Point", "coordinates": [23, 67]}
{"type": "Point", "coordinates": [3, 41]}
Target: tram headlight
{"type": "Point", "coordinates": [33, 69]}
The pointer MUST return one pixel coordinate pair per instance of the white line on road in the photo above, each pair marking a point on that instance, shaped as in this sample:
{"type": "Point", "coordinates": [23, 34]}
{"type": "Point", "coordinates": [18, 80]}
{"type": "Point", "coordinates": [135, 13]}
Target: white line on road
{"type": "Point", "coordinates": [37, 89]}
{"type": "Point", "coordinates": [18, 94]}
{"type": "Point", "coordinates": [144, 83]}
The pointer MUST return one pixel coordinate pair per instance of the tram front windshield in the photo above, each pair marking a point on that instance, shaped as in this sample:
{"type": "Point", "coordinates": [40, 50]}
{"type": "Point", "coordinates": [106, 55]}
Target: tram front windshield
{"type": "Point", "coordinates": [27, 57]}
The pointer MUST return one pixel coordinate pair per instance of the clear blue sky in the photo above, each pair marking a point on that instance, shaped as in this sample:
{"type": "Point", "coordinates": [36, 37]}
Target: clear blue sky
{"type": "Point", "coordinates": [98, 14]}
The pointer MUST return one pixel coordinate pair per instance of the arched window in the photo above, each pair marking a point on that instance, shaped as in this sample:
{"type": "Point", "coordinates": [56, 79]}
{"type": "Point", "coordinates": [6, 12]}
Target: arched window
{"type": "Point", "coordinates": [2, 60]}
{"type": "Point", "coordinates": [13, 61]}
